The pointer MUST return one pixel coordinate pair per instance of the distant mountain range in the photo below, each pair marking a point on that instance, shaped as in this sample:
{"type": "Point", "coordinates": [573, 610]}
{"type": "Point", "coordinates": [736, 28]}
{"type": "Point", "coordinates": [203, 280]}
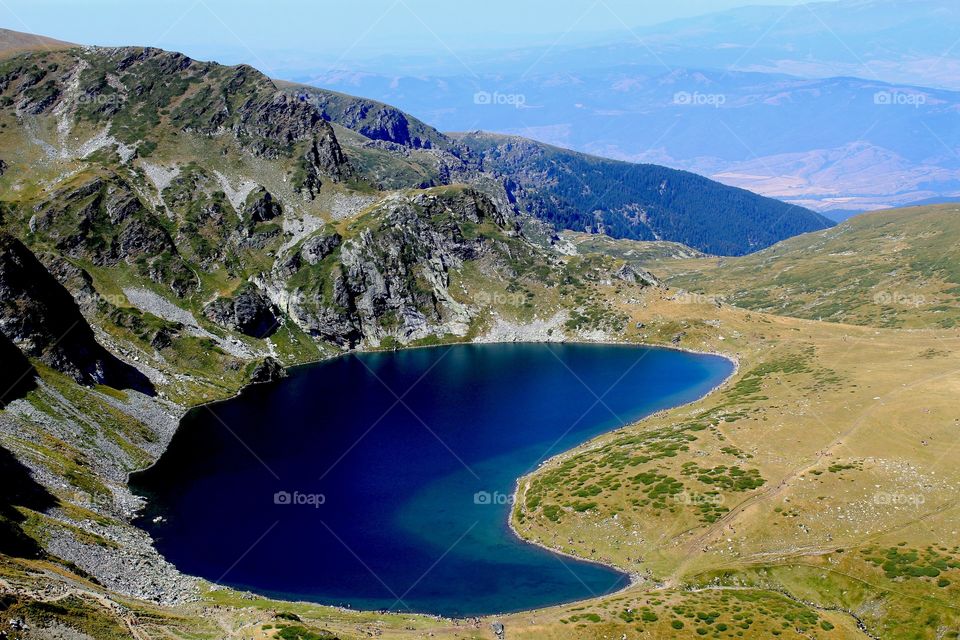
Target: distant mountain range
{"type": "Point", "coordinates": [764, 98]}
{"type": "Point", "coordinates": [895, 41]}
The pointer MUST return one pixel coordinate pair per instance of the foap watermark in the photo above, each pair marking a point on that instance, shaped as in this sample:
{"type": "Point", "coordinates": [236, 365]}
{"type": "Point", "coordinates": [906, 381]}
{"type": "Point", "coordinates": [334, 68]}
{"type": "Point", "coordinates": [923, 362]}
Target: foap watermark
{"type": "Point", "coordinates": [102, 99]}
{"type": "Point", "coordinates": [696, 499]}
{"type": "Point", "coordinates": [501, 299]}
{"type": "Point", "coordinates": [686, 297]}
{"type": "Point", "coordinates": [899, 299]}
{"type": "Point", "coordinates": [96, 298]}
{"type": "Point", "coordinates": [697, 99]}
{"type": "Point", "coordinates": [315, 500]}
{"type": "Point", "coordinates": [497, 99]}
{"type": "Point", "coordinates": [899, 99]}
{"type": "Point", "coordinates": [495, 498]}
{"type": "Point", "coordinates": [301, 300]}
{"type": "Point", "coordinates": [896, 499]}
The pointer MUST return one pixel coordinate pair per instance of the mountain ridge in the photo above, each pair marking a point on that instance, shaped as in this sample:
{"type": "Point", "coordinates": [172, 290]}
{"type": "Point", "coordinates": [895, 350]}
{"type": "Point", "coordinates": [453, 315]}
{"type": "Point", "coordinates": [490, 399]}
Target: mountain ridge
{"type": "Point", "coordinates": [355, 114]}
{"type": "Point", "coordinates": [442, 160]}
{"type": "Point", "coordinates": [13, 42]}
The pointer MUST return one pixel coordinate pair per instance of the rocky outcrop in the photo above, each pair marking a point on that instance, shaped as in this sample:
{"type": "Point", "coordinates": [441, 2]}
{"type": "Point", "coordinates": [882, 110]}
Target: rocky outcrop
{"type": "Point", "coordinates": [75, 279]}
{"type": "Point", "coordinates": [374, 120]}
{"type": "Point", "coordinates": [269, 370]}
{"type": "Point", "coordinates": [317, 248]}
{"type": "Point", "coordinates": [43, 320]}
{"type": "Point", "coordinates": [100, 219]}
{"type": "Point", "coordinates": [260, 206]}
{"type": "Point", "coordinates": [248, 311]}
{"type": "Point", "coordinates": [323, 157]}
{"type": "Point", "coordinates": [149, 88]}
{"type": "Point", "coordinates": [635, 275]}
{"type": "Point", "coordinates": [393, 279]}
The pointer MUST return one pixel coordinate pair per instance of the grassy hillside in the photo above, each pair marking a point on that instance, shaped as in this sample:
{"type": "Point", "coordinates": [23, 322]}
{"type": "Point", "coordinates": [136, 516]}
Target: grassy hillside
{"type": "Point", "coordinates": [635, 251]}
{"type": "Point", "coordinates": [16, 42]}
{"type": "Point", "coordinates": [898, 268]}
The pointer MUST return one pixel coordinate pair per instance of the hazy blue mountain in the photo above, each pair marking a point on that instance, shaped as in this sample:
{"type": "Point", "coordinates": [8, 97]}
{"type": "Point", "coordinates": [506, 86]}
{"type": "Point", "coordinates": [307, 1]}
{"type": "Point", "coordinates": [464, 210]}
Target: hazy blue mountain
{"type": "Point", "coordinates": [890, 40]}
{"type": "Point", "coordinates": [834, 143]}
{"type": "Point", "coordinates": [824, 104]}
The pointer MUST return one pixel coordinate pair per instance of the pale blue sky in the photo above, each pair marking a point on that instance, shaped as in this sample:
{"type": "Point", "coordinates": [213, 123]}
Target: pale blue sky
{"type": "Point", "coordinates": [264, 32]}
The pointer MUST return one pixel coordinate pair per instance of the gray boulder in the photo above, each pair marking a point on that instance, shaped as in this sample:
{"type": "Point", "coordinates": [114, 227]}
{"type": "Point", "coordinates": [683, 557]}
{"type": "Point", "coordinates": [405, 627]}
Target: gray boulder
{"type": "Point", "coordinates": [261, 206]}
{"type": "Point", "coordinates": [316, 249]}
{"type": "Point", "coordinates": [248, 311]}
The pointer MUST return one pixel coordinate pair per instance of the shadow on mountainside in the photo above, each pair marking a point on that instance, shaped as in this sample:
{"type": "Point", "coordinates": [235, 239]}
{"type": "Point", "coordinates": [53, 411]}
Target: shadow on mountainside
{"type": "Point", "coordinates": [19, 490]}
{"type": "Point", "coordinates": [17, 375]}
{"type": "Point", "coordinates": [40, 317]}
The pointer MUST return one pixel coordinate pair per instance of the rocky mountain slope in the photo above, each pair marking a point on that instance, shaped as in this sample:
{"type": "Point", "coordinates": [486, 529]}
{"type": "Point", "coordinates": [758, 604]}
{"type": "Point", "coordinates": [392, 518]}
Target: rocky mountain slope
{"type": "Point", "coordinates": [44, 321]}
{"type": "Point", "coordinates": [173, 230]}
{"type": "Point", "coordinates": [640, 202]}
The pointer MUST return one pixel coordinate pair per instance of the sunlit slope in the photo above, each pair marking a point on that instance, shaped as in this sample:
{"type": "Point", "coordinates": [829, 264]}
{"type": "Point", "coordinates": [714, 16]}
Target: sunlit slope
{"type": "Point", "coordinates": [898, 268]}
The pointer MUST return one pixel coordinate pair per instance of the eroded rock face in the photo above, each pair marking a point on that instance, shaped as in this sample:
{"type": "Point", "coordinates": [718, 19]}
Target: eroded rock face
{"type": "Point", "coordinates": [249, 312]}
{"type": "Point", "coordinates": [261, 206]}
{"type": "Point", "coordinates": [269, 370]}
{"type": "Point", "coordinates": [374, 120]}
{"type": "Point", "coordinates": [393, 279]}
{"type": "Point", "coordinates": [324, 157]}
{"type": "Point", "coordinates": [203, 98]}
{"type": "Point", "coordinates": [42, 319]}
{"type": "Point", "coordinates": [634, 275]}
{"type": "Point", "coordinates": [101, 220]}
{"type": "Point", "coordinates": [76, 280]}
{"type": "Point", "coordinates": [316, 249]}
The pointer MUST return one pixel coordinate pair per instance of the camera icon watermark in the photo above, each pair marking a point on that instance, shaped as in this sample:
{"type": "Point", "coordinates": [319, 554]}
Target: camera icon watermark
{"type": "Point", "coordinates": [315, 500]}
{"type": "Point", "coordinates": [898, 299]}
{"type": "Point", "coordinates": [495, 98]}
{"type": "Point", "coordinates": [697, 99]}
{"type": "Point", "coordinates": [899, 99]}
{"type": "Point", "coordinates": [494, 498]}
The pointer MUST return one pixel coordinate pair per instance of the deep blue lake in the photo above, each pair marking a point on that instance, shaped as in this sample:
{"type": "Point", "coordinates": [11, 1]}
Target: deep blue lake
{"type": "Point", "coordinates": [382, 481]}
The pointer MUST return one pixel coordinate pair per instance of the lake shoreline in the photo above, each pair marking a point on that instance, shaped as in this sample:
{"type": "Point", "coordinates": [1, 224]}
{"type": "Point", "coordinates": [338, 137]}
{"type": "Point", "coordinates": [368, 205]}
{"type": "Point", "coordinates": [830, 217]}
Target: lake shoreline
{"type": "Point", "coordinates": [633, 577]}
